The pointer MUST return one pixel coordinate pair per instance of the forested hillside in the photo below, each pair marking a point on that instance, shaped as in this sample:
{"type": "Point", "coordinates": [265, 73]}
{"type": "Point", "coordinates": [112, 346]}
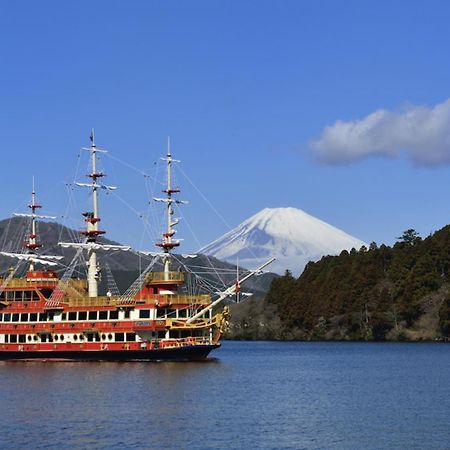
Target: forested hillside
{"type": "Point", "coordinates": [377, 293]}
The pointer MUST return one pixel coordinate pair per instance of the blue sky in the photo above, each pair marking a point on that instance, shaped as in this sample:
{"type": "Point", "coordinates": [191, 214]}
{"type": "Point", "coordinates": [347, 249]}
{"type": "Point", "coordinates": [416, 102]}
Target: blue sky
{"type": "Point", "coordinates": [245, 89]}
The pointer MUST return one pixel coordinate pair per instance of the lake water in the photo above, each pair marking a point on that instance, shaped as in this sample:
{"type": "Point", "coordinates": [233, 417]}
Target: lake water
{"type": "Point", "coordinates": [254, 395]}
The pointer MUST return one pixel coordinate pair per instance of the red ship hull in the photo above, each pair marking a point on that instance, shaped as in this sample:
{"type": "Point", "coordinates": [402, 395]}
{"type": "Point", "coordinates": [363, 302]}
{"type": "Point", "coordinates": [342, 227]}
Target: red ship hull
{"type": "Point", "coordinates": [188, 353]}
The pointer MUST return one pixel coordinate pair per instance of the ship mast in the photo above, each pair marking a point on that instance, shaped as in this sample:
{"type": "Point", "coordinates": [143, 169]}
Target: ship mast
{"type": "Point", "coordinates": [32, 245]}
{"type": "Point", "coordinates": [168, 243]}
{"type": "Point", "coordinates": [92, 219]}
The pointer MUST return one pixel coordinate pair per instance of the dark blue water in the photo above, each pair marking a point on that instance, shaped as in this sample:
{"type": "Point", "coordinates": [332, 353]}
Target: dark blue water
{"type": "Point", "coordinates": [256, 395]}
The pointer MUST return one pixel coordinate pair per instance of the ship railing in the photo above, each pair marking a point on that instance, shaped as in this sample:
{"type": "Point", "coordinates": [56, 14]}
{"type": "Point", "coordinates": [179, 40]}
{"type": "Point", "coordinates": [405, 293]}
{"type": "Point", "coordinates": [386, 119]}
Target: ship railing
{"type": "Point", "coordinates": [166, 300]}
{"type": "Point", "coordinates": [180, 299]}
{"type": "Point", "coordinates": [156, 277]}
{"type": "Point", "coordinates": [157, 300]}
{"type": "Point", "coordinates": [23, 283]}
{"type": "Point", "coordinates": [92, 301]}
{"type": "Point", "coordinates": [200, 323]}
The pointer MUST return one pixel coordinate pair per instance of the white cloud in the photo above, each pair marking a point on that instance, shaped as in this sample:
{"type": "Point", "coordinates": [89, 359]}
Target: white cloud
{"type": "Point", "coordinates": [422, 132]}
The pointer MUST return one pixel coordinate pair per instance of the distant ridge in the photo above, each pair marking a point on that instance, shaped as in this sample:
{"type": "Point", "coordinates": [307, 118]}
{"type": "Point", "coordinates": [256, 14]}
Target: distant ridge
{"type": "Point", "coordinates": [288, 234]}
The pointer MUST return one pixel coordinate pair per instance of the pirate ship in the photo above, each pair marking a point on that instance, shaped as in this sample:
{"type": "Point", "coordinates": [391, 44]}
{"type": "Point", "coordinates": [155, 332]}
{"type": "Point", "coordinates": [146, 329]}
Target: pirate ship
{"type": "Point", "coordinates": [50, 315]}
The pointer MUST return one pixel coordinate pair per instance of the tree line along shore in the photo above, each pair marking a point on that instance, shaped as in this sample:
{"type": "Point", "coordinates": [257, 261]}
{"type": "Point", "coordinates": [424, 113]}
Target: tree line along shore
{"type": "Point", "coordinates": [380, 293]}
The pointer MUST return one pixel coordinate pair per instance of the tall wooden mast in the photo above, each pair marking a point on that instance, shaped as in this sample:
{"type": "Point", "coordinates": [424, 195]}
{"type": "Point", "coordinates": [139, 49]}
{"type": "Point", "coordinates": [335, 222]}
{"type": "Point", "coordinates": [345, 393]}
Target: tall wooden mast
{"type": "Point", "coordinates": [32, 243]}
{"type": "Point", "coordinates": [92, 218]}
{"type": "Point", "coordinates": [169, 243]}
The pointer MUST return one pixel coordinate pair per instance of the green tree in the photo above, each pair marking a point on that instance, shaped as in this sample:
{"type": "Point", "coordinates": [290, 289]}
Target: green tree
{"type": "Point", "coordinates": [409, 237]}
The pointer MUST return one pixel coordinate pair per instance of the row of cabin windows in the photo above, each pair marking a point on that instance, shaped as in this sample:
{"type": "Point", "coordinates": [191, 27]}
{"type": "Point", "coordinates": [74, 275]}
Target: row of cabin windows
{"type": "Point", "coordinates": [182, 334]}
{"type": "Point", "coordinates": [22, 296]}
{"type": "Point", "coordinates": [89, 337]}
{"type": "Point", "coordinates": [49, 316]}
{"type": "Point", "coordinates": [91, 315]}
{"type": "Point", "coordinates": [163, 312]}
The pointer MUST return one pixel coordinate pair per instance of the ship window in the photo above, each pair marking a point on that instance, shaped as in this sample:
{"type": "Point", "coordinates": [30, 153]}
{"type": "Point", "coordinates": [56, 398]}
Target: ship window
{"type": "Point", "coordinates": [33, 317]}
{"type": "Point", "coordinates": [24, 317]}
{"type": "Point", "coordinates": [35, 338]}
{"type": "Point", "coordinates": [15, 317]}
{"type": "Point", "coordinates": [42, 317]}
{"type": "Point", "coordinates": [103, 315]}
{"type": "Point", "coordinates": [2, 296]}
{"type": "Point", "coordinates": [127, 314]}
{"type": "Point", "coordinates": [22, 338]}
{"type": "Point", "coordinates": [75, 337]}
{"type": "Point", "coordinates": [56, 337]}
{"type": "Point", "coordinates": [72, 315]}
{"type": "Point", "coordinates": [34, 296]}
{"type": "Point", "coordinates": [6, 338]}
{"type": "Point", "coordinates": [119, 337]}
{"type": "Point", "coordinates": [7, 317]}
{"type": "Point", "coordinates": [90, 337]}
{"type": "Point", "coordinates": [46, 292]}
{"type": "Point", "coordinates": [9, 296]}
{"type": "Point", "coordinates": [50, 315]}
{"type": "Point", "coordinates": [110, 336]}
{"type": "Point", "coordinates": [29, 338]}
{"type": "Point", "coordinates": [82, 315]}
{"type": "Point", "coordinates": [81, 337]}
{"type": "Point", "coordinates": [27, 296]}
{"type": "Point", "coordinates": [61, 337]}
{"type": "Point", "coordinates": [64, 316]}
{"type": "Point", "coordinates": [1, 317]}
{"type": "Point", "coordinates": [104, 336]}
{"type": "Point", "coordinates": [92, 315]}
{"type": "Point", "coordinates": [160, 312]}
{"type": "Point", "coordinates": [13, 338]}
{"type": "Point", "coordinates": [161, 334]}
{"type": "Point", "coordinates": [144, 314]}
{"type": "Point", "coordinates": [171, 312]}
{"type": "Point", "coordinates": [182, 313]}
{"type": "Point", "coordinates": [18, 296]}
{"type": "Point", "coordinates": [131, 337]}
{"type": "Point", "coordinates": [113, 315]}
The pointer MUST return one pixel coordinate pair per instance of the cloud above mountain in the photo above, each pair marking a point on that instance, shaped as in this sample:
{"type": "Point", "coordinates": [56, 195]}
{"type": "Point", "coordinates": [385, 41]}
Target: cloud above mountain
{"type": "Point", "coordinates": [420, 132]}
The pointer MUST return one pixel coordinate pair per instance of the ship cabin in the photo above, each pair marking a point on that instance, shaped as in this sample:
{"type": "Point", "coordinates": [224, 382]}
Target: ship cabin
{"type": "Point", "coordinates": [42, 312]}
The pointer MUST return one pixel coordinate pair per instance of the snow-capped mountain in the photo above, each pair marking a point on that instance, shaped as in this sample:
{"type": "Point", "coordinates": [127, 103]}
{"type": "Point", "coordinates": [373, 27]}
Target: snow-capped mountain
{"type": "Point", "coordinates": [290, 235]}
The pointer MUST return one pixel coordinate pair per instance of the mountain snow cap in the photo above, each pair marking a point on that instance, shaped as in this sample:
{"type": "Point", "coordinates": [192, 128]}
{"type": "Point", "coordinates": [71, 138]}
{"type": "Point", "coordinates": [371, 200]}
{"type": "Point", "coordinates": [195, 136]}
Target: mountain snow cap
{"type": "Point", "coordinates": [290, 235]}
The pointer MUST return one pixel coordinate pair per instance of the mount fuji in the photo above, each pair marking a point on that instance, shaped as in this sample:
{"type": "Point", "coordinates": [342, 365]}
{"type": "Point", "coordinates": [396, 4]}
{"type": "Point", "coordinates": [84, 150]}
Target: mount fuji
{"type": "Point", "coordinates": [290, 235]}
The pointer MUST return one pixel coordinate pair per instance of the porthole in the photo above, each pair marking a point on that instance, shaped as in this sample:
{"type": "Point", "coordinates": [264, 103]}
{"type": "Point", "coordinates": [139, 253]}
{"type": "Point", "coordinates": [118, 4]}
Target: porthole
{"type": "Point", "coordinates": [81, 337]}
{"type": "Point", "coordinates": [75, 337]}
{"type": "Point", "coordinates": [35, 338]}
{"type": "Point", "coordinates": [103, 336]}
{"type": "Point", "coordinates": [110, 336]}
{"type": "Point", "coordinates": [55, 337]}
{"type": "Point", "coordinates": [29, 338]}
{"type": "Point", "coordinates": [62, 337]}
